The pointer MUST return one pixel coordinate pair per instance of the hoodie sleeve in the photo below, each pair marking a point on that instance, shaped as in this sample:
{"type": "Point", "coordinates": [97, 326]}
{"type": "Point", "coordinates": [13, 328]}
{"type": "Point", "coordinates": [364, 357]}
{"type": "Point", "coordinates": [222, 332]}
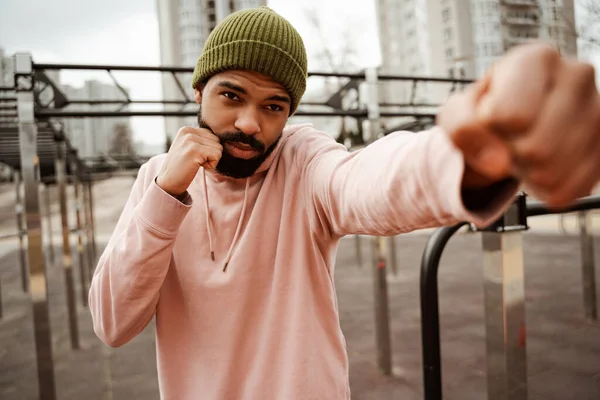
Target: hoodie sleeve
{"type": "Point", "coordinates": [125, 287]}
{"type": "Point", "coordinates": [399, 183]}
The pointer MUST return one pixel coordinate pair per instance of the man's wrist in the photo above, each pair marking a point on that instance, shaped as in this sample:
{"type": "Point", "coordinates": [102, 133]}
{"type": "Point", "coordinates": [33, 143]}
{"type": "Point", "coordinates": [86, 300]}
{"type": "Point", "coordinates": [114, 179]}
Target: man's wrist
{"type": "Point", "coordinates": [182, 197]}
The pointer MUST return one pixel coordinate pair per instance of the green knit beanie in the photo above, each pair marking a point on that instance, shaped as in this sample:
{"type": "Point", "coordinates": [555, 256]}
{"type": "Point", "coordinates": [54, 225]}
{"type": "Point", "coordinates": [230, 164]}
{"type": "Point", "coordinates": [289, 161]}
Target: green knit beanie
{"type": "Point", "coordinates": [260, 40]}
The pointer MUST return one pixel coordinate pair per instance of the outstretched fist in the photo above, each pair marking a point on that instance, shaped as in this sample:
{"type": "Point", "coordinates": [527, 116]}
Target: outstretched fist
{"type": "Point", "coordinates": [535, 116]}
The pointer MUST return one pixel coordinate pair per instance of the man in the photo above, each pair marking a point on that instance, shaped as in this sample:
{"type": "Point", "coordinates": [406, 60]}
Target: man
{"type": "Point", "coordinates": [229, 240]}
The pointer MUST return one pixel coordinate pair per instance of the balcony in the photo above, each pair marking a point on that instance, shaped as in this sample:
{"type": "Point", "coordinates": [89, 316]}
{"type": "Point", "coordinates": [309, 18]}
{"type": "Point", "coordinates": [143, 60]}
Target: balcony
{"type": "Point", "coordinates": [520, 21]}
{"type": "Point", "coordinates": [513, 39]}
{"type": "Point", "coordinates": [520, 3]}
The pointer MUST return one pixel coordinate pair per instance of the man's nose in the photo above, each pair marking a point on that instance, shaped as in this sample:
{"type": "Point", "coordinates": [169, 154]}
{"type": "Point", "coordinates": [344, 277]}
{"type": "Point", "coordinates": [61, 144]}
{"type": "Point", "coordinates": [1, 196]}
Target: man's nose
{"type": "Point", "coordinates": [248, 122]}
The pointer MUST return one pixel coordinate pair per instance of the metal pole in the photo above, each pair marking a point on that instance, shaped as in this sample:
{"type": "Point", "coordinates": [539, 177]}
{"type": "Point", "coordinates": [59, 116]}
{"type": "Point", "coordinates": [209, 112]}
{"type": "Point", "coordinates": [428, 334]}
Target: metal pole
{"type": "Point", "coordinates": [37, 273]}
{"type": "Point", "coordinates": [88, 230]}
{"type": "Point", "coordinates": [90, 194]}
{"type": "Point", "coordinates": [19, 213]}
{"type": "Point", "coordinates": [61, 180]}
{"type": "Point", "coordinates": [588, 273]}
{"type": "Point", "coordinates": [382, 318]}
{"type": "Point", "coordinates": [504, 291]}
{"type": "Point", "coordinates": [430, 315]}
{"type": "Point", "coordinates": [48, 207]}
{"type": "Point", "coordinates": [82, 266]}
{"type": "Point", "coordinates": [393, 261]}
{"type": "Point", "coordinates": [358, 250]}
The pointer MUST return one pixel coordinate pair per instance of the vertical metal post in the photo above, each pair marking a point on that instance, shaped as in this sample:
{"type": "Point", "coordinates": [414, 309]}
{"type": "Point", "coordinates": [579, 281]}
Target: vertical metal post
{"type": "Point", "coordinates": [19, 213]}
{"type": "Point", "coordinates": [61, 180]}
{"type": "Point", "coordinates": [38, 283]}
{"type": "Point", "coordinates": [80, 246]}
{"type": "Point", "coordinates": [588, 274]}
{"type": "Point", "coordinates": [382, 318]}
{"type": "Point", "coordinates": [48, 208]}
{"type": "Point", "coordinates": [393, 261]}
{"type": "Point", "coordinates": [430, 313]}
{"type": "Point", "coordinates": [88, 229]}
{"type": "Point", "coordinates": [90, 198]}
{"type": "Point", "coordinates": [504, 291]}
{"type": "Point", "coordinates": [358, 250]}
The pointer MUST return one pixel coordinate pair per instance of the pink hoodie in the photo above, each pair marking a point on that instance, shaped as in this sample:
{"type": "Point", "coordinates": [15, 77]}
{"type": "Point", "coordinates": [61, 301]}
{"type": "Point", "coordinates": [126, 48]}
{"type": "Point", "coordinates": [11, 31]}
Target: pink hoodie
{"type": "Point", "coordinates": [267, 326]}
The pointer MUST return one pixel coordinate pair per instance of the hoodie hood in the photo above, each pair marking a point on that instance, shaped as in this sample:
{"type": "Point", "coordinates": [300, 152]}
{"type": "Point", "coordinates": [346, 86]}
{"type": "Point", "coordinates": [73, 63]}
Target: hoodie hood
{"type": "Point", "coordinates": [288, 131]}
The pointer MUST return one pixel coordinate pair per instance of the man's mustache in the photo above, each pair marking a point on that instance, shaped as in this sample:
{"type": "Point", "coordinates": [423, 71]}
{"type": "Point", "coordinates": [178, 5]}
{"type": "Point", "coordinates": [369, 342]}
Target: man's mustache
{"type": "Point", "coordinates": [235, 137]}
{"type": "Point", "coordinates": [240, 137]}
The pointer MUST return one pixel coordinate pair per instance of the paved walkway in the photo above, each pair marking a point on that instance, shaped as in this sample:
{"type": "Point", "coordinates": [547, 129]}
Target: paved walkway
{"type": "Point", "coordinates": [563, 349]}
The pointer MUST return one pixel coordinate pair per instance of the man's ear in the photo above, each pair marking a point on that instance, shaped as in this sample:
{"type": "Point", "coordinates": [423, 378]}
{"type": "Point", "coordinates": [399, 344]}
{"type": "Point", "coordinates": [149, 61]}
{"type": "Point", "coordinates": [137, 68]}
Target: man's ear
{"type": "Point", "coordinates": [198, 93]}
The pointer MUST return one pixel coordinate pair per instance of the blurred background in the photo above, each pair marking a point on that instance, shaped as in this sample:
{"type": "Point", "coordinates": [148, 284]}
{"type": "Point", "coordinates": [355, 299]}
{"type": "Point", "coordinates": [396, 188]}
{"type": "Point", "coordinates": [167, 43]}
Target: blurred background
{"type": "Point", "coordinates": [457, 40]}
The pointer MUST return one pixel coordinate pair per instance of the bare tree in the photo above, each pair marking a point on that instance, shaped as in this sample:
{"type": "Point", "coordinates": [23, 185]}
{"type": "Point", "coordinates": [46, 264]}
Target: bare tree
{"type": "Point", "coordinates": [586, 29]}
{"type": "Point", "coordinates": [589, 30]}
{"type": "Point", "coordinates": [335, 52]}
{"type": "Point", "coordinates": [331, 58]}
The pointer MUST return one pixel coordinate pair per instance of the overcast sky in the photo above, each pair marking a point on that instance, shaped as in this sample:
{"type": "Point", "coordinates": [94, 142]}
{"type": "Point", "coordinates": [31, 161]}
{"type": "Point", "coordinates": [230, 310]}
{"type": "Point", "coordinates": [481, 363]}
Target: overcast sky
{"type": "Point", "coordinates": [126, 32]}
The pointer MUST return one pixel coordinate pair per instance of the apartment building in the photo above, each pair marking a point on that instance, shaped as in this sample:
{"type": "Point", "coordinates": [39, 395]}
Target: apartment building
{"type": "Point", "coordinates": [464, 37]}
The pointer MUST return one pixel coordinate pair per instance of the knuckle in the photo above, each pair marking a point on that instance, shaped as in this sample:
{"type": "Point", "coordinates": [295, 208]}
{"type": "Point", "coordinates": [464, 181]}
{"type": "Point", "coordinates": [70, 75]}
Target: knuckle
{"type": "Point", "coordinates": [534, 153]}
{"type": "Point", "coordinates": [586, 71]}
{"type": "Point", "coordinates": [587, 78]}
{"type": "Point", "coordinates": [545, 52]}
{"type": "Point", "coordinates": [182, 131]}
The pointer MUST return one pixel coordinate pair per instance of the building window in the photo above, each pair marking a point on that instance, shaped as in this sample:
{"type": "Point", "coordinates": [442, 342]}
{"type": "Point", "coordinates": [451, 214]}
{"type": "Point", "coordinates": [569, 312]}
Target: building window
{"type": "Point", "coordinates": [448, 33]}
{"type": "Point", "coordinates": [446, 15]}
{"type": "Point", "coordinates": [449, 54]}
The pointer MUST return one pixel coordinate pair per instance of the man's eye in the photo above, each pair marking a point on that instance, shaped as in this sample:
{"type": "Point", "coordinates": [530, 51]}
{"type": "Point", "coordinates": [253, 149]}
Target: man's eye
{"type": "Point", "coordinates": [274, 107]}
{"type": "Point", "coordinates": [230, 95]}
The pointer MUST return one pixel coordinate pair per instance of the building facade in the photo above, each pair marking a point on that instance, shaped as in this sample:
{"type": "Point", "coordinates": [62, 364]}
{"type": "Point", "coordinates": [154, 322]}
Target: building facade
{"type": "Point", "coordinates": [95, 136]}
{"type": "Point", "coordinates": [184, 26]}
{"type": "Point", "coordinates": [499, 25]}
{"type": "Point", "coordinates": [424, 38]}
{"type": "Point", "coordinates": [463, 38]}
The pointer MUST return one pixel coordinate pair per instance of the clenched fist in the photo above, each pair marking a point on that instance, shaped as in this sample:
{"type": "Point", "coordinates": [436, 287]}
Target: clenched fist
{"type": "Point", "coordinates": [192, 148]}
{"type": "Point", "coordinates": [536, 117]}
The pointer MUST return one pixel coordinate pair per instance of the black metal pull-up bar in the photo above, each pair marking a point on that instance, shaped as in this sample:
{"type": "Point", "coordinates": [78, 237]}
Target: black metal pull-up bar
{"type": "Point", "coordinates": [430, 321]}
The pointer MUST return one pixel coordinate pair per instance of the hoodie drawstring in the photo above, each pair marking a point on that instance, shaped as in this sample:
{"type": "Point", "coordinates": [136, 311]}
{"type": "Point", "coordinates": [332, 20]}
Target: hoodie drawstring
{"type": "Point", "coordinates": [207, 217]}
{"type": "Point", "coordinates": [209, 222]}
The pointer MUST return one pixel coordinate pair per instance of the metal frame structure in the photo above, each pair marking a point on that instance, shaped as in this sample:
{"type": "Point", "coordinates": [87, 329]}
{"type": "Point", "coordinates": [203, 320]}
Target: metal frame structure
{"type": "Point", "coordinates": [504, 291]}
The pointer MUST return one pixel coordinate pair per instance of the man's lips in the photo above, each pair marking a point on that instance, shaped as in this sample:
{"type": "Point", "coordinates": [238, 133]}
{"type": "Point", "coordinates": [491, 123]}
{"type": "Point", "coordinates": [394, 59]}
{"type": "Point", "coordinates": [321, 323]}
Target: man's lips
{"type": "Point", "coordinates": [242, 146]}
{"type": "Point", "coordinates": [241, 150]}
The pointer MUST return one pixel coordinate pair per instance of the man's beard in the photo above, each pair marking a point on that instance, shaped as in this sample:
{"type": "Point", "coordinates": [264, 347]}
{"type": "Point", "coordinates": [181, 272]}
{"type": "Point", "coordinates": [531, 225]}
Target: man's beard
{"type": "Point", "coordinates": [233, 166]}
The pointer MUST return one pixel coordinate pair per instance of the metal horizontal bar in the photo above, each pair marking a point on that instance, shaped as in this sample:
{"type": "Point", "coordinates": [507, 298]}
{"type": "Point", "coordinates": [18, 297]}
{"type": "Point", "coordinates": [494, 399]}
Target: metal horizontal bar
{"type": "Point", "coordinates": [535, 208]}
{"type": "Point", "coordinates": [112, 101]}
{"type": "Point", "coordinates": [360, 76]}
{"type": "Point", "coordinates": [191, 113]}
{"type": "Point", "coordinates": [88, 67]}
{"type": "Point", "coordinates": [409, 105]}
{"type": "Point", "coordinates": [12, 235]}
{"type": "Point", "coordinates": [422, 79]}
